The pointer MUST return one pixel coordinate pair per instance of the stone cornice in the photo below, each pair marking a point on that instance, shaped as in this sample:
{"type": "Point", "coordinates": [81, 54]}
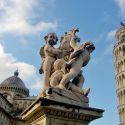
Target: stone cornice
{"type": "Point", "coordinates": [44, 107]}
{"type": "Point", "coordinates": [47, 102]}
{"type": "Point", "coordinates": [62, 114]}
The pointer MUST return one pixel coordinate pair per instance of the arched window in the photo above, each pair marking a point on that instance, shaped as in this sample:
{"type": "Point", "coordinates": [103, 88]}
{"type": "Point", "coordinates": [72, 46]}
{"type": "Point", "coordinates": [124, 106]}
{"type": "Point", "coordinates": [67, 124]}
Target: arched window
{"type": "Point", "coordinates": [119, 69]}
{"type": "Point", "coordinates": [7, 96]}
{"type": "Point", "coordinates": [122, 66]}
{"type": "Point", "coordinates": [123, 37]}
{"type": "Point", "coordinates": [18, 96]}
{"type": "Point", "coordinates": [120, 82]}
{"type": "Point", "coordinates": [120, 51]}
{"type": "Point", "coordinates": [123, 48]}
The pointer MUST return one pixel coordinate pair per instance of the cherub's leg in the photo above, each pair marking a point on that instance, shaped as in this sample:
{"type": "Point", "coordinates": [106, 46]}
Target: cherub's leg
{"type": "Point", "coordinates": [54, 82]}
{"type": "Point", "coordinates": [47, 72]}
{"type": "Point", "coordinates": [46, 79]}
{"type": "Point", "coordinates": [66, 78]}
{"type": "Point", "coordinates": [81, 81]}
{"type": "Point", "coordinates": [41, 69]}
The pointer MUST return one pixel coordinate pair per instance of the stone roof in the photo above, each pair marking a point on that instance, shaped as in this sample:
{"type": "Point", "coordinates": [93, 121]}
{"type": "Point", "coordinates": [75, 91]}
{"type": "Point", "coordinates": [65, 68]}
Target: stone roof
{"type": "Point", "coordinates": [14, 82]}
{"type": "Point", "coordinates": [27, 98]}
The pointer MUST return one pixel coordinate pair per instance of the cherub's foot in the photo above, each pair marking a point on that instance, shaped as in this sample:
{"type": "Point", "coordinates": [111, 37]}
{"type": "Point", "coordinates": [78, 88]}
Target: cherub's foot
{"type": "Point", "coordinates": [40, 71]}
{"type": "Point", "coordinates": [86, 92]}
{"type": "Point", "coordinates": [61, 86]}
{"type": "Point", "coordinates": [49, 91]}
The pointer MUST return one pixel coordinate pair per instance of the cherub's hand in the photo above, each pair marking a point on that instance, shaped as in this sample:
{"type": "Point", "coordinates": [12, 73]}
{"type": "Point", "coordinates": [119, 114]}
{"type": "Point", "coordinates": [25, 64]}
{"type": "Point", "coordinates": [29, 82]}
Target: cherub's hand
{"type": "Point", "coordinates": [73, 35]}
{"type": "Point", "coordinates": [74, 30]}
{"type": "Point", "coordinates": [66, 52]}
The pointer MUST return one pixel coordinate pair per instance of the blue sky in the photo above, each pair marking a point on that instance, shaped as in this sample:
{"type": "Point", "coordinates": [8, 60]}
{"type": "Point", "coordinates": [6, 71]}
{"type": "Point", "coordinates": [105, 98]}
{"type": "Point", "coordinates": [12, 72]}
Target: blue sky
{"type": "Point", "coordinates": [23, 24]}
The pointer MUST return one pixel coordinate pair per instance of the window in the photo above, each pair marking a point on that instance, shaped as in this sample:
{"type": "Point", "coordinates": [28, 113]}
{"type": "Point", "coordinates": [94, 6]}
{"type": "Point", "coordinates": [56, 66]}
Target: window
{"type": "Point", "coordinates": [123, 37]}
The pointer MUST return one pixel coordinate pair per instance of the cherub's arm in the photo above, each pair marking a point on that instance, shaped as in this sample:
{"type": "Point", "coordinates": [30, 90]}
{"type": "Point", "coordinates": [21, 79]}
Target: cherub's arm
{"type": "Point", "coordinates": [54, 51]}
{"type": "Point", "coordinates": [57, 51]}
{"type": "Point", "coordinates": [41, 52]}
{"type": "Point", "coordinates": [74, 39]}
{"type": "Point", "coordinates": [73, 44]}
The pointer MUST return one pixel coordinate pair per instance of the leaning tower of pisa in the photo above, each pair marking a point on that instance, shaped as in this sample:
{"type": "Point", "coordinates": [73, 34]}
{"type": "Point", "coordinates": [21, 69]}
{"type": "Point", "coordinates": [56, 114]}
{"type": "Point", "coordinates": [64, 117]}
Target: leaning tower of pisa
{"type": "Point", "coordinates": [119, 59]}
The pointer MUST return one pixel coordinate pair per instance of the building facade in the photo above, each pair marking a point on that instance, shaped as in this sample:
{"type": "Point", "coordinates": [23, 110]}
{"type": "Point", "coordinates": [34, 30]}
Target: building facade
{"type": "Point", "coordinates": [14, 99]}
{"type": "Point", "coordinates": [119, 59]}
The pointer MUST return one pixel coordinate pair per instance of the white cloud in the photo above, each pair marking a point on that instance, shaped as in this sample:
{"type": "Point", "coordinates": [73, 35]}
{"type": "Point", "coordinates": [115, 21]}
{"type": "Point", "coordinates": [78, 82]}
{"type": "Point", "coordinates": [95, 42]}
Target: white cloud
{"type": "Point", "coordinates": [1, 49]}
{"type": "Point", "coordinates": [8, 64]}
{"type": "Point", "coordinates": [37, 85]}
{"type": "Point", "coordinates": [111, 35]}
{"type": "Point", "coordinates": [110, 41]}
{"type": "Point", "coordinates": [96, 60]}
{"type": "Point", "coordinates": [17, 16]}
{"type": "Point", "coordinates": [121, 4]}
{"type": "Point", "coordinates": [108, 50]}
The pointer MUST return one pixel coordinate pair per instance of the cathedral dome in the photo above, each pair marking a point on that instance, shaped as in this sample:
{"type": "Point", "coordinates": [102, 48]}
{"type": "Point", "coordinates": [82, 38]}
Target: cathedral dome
{"type": "Point", "coordinates": [14, 83]}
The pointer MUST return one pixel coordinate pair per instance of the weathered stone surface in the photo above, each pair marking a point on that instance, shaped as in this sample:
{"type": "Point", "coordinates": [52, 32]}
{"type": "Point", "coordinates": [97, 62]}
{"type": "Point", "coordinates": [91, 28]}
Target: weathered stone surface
{"type": "Point", "coordinates": [45, 111]}
{"type": "Point", "coordinates": [119, 56]}
{"type": "Point", "coordinates": [69, 97]}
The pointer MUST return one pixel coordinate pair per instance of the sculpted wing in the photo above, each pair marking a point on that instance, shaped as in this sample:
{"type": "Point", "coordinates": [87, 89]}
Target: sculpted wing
{"type": "Point", "coordinates": [42, 54]}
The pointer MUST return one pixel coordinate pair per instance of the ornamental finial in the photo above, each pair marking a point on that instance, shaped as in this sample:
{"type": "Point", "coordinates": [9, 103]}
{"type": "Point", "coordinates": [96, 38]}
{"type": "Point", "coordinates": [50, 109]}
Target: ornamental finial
{"type": "Point", "coordinates": [16, 73]}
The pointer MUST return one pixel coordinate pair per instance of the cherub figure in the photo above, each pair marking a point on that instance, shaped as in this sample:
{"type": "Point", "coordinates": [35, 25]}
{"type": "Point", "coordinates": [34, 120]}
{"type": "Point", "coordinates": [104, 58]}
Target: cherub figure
{"type": "Point", "coordinates": [75, 85]}
{"type": "Point", "coordinates": [59, 68]}
{"type": "Point", "coordinates": [50, 54]}
{"type": "Point", "coordinates": [79, 58]}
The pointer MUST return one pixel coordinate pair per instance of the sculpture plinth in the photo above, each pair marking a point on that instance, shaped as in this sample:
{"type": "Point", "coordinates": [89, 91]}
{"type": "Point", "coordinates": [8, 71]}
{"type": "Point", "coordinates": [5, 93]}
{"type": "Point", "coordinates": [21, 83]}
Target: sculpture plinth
{"type": "Point", "coordinates": [61, 107]}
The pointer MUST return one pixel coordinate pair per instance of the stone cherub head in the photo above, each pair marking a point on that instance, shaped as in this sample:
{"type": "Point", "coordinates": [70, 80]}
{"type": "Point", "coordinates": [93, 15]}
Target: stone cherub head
{"type": "Point", "coordinates": [51, 38]}
{"type": "Point", "coordinates": [89, 46]}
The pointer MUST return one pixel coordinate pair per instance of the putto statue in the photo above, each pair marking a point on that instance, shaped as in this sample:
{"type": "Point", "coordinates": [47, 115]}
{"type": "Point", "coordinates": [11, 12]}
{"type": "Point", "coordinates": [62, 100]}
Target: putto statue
{"type": "Point", "coordinates": [62, 66]}
{"type": "Point", "coordinates": [50, 55]}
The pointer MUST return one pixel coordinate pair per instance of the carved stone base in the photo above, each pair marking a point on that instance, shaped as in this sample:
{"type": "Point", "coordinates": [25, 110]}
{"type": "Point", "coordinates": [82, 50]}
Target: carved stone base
{"type": "Point", "coordinates": [47, 111]}
{"type": "Point", "coordinates": [65, 96]}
